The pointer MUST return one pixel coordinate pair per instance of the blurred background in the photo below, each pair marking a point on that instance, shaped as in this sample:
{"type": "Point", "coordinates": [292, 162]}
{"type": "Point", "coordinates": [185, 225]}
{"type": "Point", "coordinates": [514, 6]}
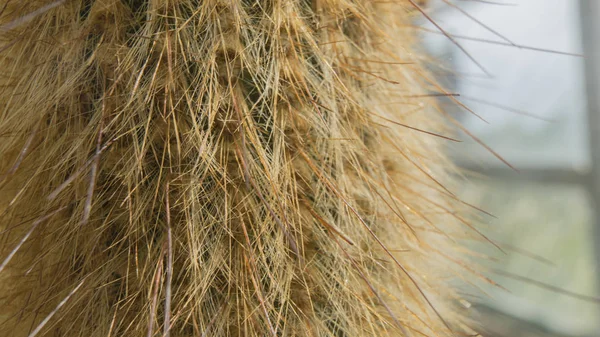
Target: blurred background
{"type": "Point", "coordinates": [537, 106]}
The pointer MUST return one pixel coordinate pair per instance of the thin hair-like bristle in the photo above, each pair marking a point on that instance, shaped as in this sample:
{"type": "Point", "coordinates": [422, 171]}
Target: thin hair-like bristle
{"type": "Point", "coordinates": [223, 168]}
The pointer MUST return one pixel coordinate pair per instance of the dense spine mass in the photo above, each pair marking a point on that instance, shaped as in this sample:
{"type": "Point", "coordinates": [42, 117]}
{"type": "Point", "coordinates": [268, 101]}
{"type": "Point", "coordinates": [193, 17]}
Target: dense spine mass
{"type": "Point", "coordinates": [221, 168]}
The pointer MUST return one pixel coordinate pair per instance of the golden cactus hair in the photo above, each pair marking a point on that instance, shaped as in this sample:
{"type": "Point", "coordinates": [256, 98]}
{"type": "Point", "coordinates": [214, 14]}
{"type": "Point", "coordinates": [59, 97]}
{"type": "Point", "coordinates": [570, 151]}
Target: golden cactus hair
{"type": "Point", "coordinates": [223, 168]}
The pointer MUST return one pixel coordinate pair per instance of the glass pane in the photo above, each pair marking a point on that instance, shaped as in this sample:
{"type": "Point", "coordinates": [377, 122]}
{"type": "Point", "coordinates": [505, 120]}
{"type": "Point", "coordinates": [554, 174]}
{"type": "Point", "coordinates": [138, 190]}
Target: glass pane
{"type": "Point", "coordinates": [545, 231]}
{"type": "Point", "coordinates": [534, 106]}
{"type": "Point", "coordinates": [520, 81]}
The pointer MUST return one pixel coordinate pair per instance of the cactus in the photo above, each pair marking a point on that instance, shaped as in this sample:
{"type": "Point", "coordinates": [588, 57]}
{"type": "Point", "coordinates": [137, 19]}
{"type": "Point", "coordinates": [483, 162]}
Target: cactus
{"type": "Point", "coordinates": [223, 168]}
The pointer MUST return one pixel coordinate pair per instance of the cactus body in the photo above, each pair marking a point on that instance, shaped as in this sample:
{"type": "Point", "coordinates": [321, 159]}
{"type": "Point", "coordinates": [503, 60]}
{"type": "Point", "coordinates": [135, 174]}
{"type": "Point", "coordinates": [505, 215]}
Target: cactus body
{"type": "Point", "coordinates": [221, 168]}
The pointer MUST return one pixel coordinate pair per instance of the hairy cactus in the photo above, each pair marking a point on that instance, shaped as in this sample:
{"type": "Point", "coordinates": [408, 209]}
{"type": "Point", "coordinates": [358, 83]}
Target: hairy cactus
{"type": "Point", "coordinates": [223, 168]}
